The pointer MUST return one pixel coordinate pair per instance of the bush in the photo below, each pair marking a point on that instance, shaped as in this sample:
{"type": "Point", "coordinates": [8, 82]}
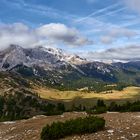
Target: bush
{"type": "Point", "coordinates": [113, 107]}
{"type": "Point", "coordinates": [97, 110]}
{"type": "Point", "coordinates": [126, 107]}
{"type": "Point", "coordinates": [135, 108]}
{"type": "Point", "coordinates": [100, 103]}
{"type": "Point", "coordinates": [78, 126]}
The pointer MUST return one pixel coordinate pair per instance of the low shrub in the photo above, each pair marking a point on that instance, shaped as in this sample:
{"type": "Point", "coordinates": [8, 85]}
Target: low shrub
{"type": "Point", "coordinates": [126, 107]}
{"type": "Point", "coordinates": [59, 130]}
{"type": "Point", "coordinates": [135, 108]}
{"type": "Point", "coordinates": [97, 110]}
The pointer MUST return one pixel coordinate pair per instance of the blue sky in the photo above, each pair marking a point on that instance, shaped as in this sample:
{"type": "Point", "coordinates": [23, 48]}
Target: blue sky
{"type": "Point", "coordinates": [83, 26]}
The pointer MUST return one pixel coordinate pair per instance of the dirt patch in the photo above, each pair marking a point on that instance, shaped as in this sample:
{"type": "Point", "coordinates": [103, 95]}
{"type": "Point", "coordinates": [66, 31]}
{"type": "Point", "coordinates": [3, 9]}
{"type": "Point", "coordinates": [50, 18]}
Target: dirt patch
{"type": "Point", "coordinates": [119, 126]}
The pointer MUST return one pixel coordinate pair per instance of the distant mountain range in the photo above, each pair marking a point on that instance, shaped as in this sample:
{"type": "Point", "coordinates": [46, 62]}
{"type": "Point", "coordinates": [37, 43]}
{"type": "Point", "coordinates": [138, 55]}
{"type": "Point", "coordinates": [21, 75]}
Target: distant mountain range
{"type": "Point", "coordinates": [56, 68]}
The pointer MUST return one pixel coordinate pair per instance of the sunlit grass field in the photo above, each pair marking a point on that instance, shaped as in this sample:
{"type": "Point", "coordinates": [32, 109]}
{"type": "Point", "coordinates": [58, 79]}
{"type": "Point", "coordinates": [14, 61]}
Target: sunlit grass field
{"type": "Point", "coordinates": [85, 98]}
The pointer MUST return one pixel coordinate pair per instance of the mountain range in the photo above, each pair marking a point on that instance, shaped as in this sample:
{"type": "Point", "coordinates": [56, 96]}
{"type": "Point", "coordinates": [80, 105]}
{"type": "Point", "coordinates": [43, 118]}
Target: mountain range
{"type": "Point", "coordinates": [53, 67]}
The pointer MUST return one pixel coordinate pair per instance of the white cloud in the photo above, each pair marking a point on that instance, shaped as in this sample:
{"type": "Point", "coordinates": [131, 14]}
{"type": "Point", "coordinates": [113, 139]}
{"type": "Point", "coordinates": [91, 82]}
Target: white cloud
{"type": "Point", "coordinates": [122, 32]}
{"type": "Point", "coordinates": [106, 39]}
{"type": "Point", "coordinates": [133, 4]}
{"type": "Point", "coordinates": [60, 32]}
{"type": "Point", "coordinates": [119, 54]}
{"type": "Point", "coordinates": [115, 33]}
{"type": "Point", "coordinates": [21, 34]}
{"type": "Point", "coordinates": [17, 34]}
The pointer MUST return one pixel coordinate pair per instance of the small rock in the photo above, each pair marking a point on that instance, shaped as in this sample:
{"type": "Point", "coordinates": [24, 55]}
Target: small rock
{"type": "Point", "coordinates": [110, 131]}
{"type": "Point", "coordinates": [134, 135]}
{"type": "Point", "coordinates": [123, 137]}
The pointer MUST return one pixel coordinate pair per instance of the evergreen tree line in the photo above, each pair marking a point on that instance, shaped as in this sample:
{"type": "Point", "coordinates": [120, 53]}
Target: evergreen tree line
{"type": "Point", "coordinates": [101, 107]}
{"type": "Point", "coordinates": [91, 85]}
{"type": "Point", "coordinates": [21, 106]}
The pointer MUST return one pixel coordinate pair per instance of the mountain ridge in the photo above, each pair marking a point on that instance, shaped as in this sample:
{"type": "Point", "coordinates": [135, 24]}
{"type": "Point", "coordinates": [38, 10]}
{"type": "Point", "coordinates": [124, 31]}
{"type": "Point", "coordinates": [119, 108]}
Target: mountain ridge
{"type": "Point", "coordinates": [60, 69]}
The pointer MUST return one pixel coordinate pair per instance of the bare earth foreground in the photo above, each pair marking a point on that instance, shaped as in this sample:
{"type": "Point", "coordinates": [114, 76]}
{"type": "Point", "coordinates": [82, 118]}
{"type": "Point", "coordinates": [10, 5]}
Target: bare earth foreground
{"type": "Point", "coordinates": [119, 126]}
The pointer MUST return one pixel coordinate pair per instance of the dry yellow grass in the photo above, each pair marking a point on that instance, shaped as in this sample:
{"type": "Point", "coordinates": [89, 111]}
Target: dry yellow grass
{"type": "Point", "coordinates": [52, 94]}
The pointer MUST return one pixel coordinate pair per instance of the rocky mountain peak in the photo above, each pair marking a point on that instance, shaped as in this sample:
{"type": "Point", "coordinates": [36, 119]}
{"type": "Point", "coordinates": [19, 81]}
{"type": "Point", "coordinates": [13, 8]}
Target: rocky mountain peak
{"type": "Point", "coordinates": [47, 58]}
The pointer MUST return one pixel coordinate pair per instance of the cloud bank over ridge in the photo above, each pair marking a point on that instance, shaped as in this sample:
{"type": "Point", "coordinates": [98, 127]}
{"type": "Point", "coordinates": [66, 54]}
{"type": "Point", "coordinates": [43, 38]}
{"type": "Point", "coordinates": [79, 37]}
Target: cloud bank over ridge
{"type": "Point", "coordinates": [128, 53]}
{"type": "Point", "coordinates": [53, 33]}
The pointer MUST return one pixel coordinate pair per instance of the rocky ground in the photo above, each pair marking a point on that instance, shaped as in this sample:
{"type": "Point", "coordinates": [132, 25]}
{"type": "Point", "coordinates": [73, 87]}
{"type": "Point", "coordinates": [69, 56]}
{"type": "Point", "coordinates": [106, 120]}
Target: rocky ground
{"type": "Point", "coordinates": [119, 126]}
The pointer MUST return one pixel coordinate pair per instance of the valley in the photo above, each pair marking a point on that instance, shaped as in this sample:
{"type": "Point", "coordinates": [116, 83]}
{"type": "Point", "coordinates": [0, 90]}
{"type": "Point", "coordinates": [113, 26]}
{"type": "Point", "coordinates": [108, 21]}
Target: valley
{"type": "Point", "coordinates": [69, 70]}
{"type": "Point", "coordinates": [88, 98]}
{"type": "Point", "coordinates": [127, 93]}
{"type": "Point", "coordinates": [42, 85]}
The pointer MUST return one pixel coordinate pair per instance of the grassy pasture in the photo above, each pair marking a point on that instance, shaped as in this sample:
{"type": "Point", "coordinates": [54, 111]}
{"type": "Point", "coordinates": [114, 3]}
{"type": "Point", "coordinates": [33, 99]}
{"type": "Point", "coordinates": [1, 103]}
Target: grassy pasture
{"type": "Point", "coordinates": [88, 99]}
